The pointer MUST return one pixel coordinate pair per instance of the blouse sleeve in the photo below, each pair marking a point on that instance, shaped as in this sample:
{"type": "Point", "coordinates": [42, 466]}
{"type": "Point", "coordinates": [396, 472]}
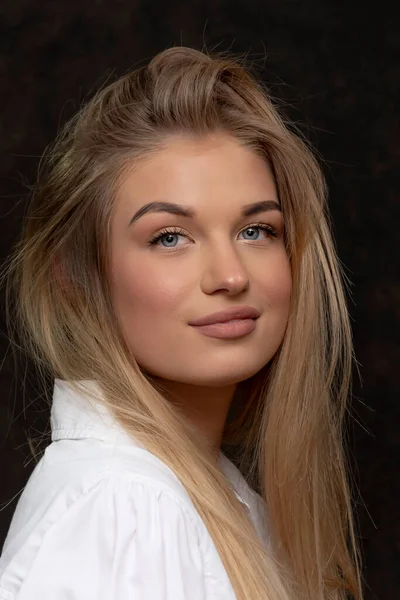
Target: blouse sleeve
{"type": "Point", "coordinates": [123, 540]}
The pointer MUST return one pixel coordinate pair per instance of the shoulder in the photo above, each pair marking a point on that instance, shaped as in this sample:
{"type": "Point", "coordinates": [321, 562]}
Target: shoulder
{"type": "Point", "coordinates": [109, 541]}
{"type": "Point", "coordinates": [73, 473]}
{"type": "Point", "coordinates": [70, 470]}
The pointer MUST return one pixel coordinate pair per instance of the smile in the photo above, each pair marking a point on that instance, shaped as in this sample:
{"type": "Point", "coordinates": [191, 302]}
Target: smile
{"type": "Point", "coordinates": [228, 330]}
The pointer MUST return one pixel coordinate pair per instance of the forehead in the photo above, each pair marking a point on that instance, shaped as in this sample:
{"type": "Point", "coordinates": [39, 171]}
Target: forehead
{"type": "Point", "coordinates": [203, 172]}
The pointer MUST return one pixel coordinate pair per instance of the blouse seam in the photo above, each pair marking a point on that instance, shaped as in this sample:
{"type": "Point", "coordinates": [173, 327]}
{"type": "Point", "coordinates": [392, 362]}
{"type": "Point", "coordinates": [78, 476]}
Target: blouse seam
{"type": "Point", "coordinates": [131, 479]}
{"type": "Point", "coordinates": [193, 518]}
{"type": "Point", "coordinates": [188, 510]}
{"type": "Point", "coordinates": [9, 594]}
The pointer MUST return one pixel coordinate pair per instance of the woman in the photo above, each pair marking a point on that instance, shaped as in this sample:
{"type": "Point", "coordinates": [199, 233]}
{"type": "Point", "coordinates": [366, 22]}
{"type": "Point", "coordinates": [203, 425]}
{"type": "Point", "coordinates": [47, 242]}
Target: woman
{"type": "Point", "coordinates": [175, 342]}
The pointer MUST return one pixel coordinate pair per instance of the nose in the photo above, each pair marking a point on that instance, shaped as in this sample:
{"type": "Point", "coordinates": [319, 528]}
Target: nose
{"type": "Point", "coordinates": [223, 270]}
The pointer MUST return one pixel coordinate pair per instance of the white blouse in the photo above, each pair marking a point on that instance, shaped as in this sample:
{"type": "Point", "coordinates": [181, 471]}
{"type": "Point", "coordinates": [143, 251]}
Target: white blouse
{"type": "Point", "coordinates": [101, 518]}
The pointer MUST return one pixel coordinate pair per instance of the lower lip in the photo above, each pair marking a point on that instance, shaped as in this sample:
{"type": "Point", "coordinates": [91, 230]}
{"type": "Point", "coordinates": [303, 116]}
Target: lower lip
{"type": "Point", "coordinates": [229, 330]}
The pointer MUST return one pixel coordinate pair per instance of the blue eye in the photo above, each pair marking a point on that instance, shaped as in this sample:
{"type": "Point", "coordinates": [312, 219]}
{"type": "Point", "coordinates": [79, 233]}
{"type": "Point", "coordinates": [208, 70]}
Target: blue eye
{"type": "Point", "coordinates": [255, 229]}
{"type": "Point", "coordinates": [166, 236]}
{"type": "Point", "coordinates": [166, 233]}
{"type": "Point", "coordinates": [169, 233]}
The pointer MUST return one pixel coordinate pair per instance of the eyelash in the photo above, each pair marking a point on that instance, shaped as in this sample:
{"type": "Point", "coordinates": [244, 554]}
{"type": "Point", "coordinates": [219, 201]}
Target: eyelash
{"type": "Point", "coordinates": [178, 231]}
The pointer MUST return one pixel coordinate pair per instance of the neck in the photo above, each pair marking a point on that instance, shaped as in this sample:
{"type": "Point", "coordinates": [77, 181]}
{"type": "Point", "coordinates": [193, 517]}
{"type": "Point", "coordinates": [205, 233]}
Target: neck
{"type": "Point", "coordinates": [206, 407]}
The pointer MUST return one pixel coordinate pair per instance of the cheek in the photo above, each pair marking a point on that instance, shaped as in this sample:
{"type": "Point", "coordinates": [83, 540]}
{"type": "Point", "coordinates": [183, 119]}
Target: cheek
{"type": "Point", "coordinates": [143, 289]}
{"type": "Point", "coordinates": [277, 284]}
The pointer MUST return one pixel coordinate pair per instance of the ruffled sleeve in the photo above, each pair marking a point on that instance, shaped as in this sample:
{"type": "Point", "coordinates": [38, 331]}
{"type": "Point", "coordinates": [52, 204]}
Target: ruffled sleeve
{"type": "Point", "coordinates": [122, 540]}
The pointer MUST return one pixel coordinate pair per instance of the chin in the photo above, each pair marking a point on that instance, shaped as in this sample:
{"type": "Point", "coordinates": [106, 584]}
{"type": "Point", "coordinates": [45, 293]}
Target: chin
{"type": "Point", "coordinates": [219, 378]}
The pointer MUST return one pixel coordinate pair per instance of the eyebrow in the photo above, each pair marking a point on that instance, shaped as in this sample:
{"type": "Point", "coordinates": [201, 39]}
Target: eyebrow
{"type": "Point", "coordinates": [172, 208]}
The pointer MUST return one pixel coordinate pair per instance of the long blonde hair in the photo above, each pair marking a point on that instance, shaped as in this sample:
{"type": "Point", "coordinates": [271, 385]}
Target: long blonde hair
{"type": "Point", "coordinates": [286, 424]}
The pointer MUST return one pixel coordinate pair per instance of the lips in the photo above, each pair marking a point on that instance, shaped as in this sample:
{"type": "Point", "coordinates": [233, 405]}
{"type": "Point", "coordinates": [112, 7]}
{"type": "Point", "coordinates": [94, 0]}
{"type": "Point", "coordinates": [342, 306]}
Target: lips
{"type": "Point", "coordinates": [231, 314]}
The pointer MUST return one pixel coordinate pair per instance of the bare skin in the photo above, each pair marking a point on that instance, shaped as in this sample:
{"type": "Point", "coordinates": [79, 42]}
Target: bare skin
{"type": "Point", "coordinates": [206, 263]}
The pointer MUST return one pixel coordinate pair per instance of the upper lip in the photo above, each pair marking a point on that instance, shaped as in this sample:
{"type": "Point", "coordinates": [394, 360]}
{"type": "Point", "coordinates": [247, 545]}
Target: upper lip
{"type": "Point", "coordinates": [236, 312]}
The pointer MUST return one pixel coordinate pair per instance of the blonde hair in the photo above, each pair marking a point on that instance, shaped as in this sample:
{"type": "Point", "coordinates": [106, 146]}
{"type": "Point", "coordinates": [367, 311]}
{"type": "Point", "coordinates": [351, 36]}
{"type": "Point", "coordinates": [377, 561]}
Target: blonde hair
{"type": "Point", "coordinates": [286, 423]}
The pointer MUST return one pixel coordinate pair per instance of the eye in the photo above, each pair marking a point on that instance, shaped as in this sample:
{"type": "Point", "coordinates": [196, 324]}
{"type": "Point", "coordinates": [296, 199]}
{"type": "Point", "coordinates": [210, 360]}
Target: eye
{"type": "Point", "coordinates": [170, 234]}
{"type": "Point", "coordinates": [167, 234]}
{"type": "Point", "coordinates": [254, 231]}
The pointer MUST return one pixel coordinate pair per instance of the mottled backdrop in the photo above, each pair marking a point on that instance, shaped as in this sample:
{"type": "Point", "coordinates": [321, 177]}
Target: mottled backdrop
{"type": "Point", "coordinates": [335, 66]}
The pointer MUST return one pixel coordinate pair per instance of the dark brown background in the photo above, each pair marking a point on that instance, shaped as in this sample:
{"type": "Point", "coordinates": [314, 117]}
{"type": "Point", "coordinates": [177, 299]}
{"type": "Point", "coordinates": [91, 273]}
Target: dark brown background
{"type": "Point", "coordinates": [335, 66]}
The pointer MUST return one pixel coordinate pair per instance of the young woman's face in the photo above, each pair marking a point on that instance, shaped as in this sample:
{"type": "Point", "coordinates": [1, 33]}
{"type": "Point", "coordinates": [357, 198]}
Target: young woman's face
{"type": "Point", "coordinates": [216, 259]}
